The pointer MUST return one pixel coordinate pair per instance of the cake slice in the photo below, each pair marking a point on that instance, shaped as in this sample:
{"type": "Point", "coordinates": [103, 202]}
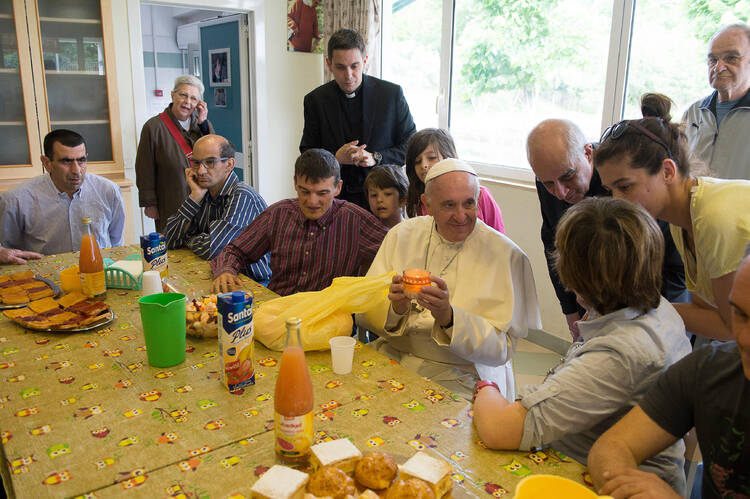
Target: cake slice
{"type": "Point", "coordinates": [340, 453]}
{"type": "Point", "coordinates": [436, 472]}
{"type": "Point", "coordinates": [19, 298]}
{"type": "Point", "coordinates": [71, 299]}
{"type": "Point", "coordinates": [40, 292]}
{"type": "Point", "coordinates": [280, 482]}
{"type": "Point", "coordinates": [43, 305]}
{"type": "Point", "coordinates": [22, 276]}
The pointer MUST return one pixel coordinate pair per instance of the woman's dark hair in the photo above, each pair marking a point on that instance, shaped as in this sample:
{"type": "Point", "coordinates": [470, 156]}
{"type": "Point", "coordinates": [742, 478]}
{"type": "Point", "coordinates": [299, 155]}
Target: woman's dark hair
{"type": "Point", "coordinates": [642, 150]}
{"type": "Point", "coordinates": [443, 143]}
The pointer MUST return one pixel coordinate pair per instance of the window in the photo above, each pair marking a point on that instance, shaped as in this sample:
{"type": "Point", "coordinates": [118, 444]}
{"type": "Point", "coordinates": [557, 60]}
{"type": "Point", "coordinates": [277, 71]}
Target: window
{"type": "Point", "coordinates": [506, 78]}
{"type": "Point", "coordinates": [490, 70]}
{"type": "Point", "coordinates": [414, 55]}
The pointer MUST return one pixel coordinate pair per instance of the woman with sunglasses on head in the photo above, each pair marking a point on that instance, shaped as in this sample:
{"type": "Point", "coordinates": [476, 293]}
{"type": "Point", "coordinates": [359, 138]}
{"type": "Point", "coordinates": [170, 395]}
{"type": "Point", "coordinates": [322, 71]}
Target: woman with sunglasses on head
{"type": "Point", "coordinates": [424, 149]}
{"type": "Point", "coordinates": [647, 161]}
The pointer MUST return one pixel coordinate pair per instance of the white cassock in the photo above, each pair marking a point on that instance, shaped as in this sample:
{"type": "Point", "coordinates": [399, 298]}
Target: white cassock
{"type": "Point", "coordinates": [492, 292]}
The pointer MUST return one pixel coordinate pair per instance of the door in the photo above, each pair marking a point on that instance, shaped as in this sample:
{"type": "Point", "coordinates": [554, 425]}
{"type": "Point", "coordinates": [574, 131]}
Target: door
{"type": "Point", "coordinates": [225, 77]}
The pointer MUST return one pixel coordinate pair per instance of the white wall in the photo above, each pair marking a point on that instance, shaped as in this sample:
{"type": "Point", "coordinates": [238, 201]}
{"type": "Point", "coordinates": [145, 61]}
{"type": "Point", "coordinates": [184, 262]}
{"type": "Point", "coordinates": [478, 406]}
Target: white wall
{"type": "Point", "coordinates": [159, 34]}
{"type": "Point", "coordinates": [523, 221]}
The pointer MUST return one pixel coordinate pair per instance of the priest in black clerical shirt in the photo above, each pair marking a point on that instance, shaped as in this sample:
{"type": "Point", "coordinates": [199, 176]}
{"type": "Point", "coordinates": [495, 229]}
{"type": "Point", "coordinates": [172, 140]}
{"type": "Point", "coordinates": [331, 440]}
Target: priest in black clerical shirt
{"type": "Point", "coordinates": [364, 121]}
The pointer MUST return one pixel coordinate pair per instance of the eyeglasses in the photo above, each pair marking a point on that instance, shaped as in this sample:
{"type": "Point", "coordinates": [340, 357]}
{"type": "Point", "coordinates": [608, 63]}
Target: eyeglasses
{"type": "Point", "coordinates": [728, 59]}
{"type": "Point", "coordinates": [209, 163]}
{"type": "Point", "coordinates": [617, 130]}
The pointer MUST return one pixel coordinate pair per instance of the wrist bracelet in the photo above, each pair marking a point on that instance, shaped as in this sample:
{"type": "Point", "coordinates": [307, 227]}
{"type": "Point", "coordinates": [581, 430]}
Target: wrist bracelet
{"type": "Point", "coordinates": [481, 384]}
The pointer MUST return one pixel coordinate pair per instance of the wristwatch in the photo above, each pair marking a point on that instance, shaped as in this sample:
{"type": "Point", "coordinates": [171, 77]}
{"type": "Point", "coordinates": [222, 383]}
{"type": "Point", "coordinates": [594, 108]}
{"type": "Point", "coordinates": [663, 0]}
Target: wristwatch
{"type": "Point", "coordinates": [378, 157]}
{"type": "Point", "coordinates": [481, 384]}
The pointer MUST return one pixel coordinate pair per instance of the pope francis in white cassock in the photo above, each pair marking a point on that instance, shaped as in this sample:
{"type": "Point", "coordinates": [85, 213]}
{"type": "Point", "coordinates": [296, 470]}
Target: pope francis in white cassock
{"type": "Point", "coordinates": [466, 325]}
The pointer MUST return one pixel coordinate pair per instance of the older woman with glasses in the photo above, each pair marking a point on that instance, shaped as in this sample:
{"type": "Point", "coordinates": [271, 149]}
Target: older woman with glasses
{"type": "Point", "coordinates": [165, 149]}
{"type": "Point", "coordinates": [647, 161]}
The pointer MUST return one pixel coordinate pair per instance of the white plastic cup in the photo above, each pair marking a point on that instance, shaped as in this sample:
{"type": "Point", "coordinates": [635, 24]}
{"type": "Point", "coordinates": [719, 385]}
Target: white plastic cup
{"type": "Point", "coordinates": [151, 283]}
{"type": "Point", "coordinates": [342, 353]}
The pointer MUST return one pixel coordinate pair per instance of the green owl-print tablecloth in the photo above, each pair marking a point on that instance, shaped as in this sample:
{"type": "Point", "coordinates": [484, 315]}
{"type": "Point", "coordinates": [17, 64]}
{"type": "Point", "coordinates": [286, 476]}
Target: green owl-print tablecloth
{"type": "Point", "coordinates": [83, 414]}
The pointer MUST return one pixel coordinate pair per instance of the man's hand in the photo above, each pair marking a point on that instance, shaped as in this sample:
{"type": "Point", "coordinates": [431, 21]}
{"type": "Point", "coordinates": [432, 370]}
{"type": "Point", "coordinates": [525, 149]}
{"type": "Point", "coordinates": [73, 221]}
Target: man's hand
{"type": "Point", "coordinates": [152, 212]}
{"type": "Point", "coordinates": [572, 320]}
{"type": "Point", "coordinates": [399, 301]}
{"type": "Point", "coordinates": [437, 301]}
{"type": "Point", "coordinates": [8, 255]}
{"type": "Point", "coordinates": [197, 193]}
{"type": "Point", "coordinates": [226, 283]}
{"type": "Point", "coordinates": [365, 158]}
{"type": "Point", "coordinates": [349, 153]}
{"type": "Point", "coordinates": [202, 110]}
{"type": "Point", "coordinates": [637, 485]}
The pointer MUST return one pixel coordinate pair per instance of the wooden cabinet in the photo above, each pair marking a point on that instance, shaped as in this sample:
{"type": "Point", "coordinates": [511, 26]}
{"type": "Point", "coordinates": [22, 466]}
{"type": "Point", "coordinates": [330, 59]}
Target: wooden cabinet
{"type": "Point", "coordinates": [57, 67]}
{"type": "Point", "coordinates": [57, 70]}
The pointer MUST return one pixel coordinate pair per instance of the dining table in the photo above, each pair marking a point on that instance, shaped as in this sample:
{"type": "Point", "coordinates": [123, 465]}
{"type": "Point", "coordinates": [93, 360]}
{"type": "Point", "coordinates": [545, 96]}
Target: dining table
{"type": "Point", "coordinates": [84, 414]}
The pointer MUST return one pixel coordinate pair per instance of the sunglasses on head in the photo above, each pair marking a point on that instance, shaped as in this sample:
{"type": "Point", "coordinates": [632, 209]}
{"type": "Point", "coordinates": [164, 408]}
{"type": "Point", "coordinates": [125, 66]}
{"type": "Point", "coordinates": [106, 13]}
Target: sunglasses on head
{"type": "Point", "coordinates": [617, 130]}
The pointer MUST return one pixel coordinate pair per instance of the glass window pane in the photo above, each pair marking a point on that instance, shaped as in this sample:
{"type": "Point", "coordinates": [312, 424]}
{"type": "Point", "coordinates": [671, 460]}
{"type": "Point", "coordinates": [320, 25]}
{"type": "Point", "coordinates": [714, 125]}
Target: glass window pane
{"type": "Point", "coordinates": [75, 73]}
{"type": "Point", "coordinates": [12, 113]}
{"type": "Point", "coordinates": [517, 63]}
{"type": "Point", "coordinates": [411, 57]}
{"type": "Point", "coordinates": [668, 50]}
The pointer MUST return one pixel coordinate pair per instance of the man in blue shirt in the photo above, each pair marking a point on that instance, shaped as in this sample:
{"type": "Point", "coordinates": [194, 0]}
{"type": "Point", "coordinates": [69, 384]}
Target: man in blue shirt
{"type": "Point", "coordinates": [219, 205]}
{"type": "Point", "coordinates": [43, 214]}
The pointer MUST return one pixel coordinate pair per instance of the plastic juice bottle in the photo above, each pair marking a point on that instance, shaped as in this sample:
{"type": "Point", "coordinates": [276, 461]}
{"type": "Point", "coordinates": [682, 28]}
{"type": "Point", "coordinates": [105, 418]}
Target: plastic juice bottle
{"type": "Point", "coordinates": [293, 400]}
{"type": "Point", "coordinates": [91, 265]}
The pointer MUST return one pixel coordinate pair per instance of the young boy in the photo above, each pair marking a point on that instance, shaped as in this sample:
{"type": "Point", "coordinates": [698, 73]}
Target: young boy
{"type": "Point", "coordinates": [385, 188]}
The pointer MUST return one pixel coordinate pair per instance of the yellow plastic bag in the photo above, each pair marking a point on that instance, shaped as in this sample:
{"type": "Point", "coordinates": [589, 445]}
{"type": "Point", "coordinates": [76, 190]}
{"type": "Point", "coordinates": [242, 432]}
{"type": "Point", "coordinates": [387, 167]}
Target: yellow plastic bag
{"type": "Point", "coordinates": [325, 313]}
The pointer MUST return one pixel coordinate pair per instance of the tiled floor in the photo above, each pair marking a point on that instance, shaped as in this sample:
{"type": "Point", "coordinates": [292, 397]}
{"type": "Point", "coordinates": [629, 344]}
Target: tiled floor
{"type": "Point", "coordinates": [531, 363]}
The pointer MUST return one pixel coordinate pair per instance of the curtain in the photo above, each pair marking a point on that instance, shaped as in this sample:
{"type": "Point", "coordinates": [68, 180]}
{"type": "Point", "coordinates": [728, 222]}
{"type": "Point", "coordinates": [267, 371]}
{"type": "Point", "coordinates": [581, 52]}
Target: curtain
{"type": "Point", "coordinates": [362, 16]}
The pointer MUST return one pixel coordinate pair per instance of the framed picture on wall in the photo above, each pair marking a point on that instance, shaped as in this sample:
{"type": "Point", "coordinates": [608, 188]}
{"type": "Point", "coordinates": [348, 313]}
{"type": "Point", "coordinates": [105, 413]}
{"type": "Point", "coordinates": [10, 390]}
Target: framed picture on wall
{"type": "Point", "coordinates": [220, 97]}
{"type": "Point", "coordinates": [220, 68]}
{"type": "Point", "coordinates": [304, 19]}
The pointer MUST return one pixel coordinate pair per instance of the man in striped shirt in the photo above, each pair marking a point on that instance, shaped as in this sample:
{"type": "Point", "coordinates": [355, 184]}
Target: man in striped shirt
{"type": "Point", "coordinates": [218, 208]}
{"type": "Point", "coordinates": [312, 238]}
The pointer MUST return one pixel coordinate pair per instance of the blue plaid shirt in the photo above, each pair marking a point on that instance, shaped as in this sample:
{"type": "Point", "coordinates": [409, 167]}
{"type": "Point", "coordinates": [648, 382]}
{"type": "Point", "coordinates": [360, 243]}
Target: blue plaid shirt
{"type": "Point", "coordinates": [208, 226]}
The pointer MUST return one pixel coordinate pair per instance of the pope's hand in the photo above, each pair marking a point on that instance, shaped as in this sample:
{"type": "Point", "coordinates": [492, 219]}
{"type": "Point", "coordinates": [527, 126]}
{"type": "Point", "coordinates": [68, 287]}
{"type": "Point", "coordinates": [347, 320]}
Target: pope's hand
{"type": "Point", "coordinates": [437, 300]}
{"type": "Point", "coordinates": [399, 301]}
{"type": "Point", "coordinates": [226, 283]}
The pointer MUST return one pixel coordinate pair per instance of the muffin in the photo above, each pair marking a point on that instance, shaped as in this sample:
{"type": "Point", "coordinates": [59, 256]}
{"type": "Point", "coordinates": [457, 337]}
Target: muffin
{"type": "Point", "coordinates": [412, 488]}
{"type": "Point", "coordinates": [376, 470]}
{"type": "Point", "coordinates": [329, 481]}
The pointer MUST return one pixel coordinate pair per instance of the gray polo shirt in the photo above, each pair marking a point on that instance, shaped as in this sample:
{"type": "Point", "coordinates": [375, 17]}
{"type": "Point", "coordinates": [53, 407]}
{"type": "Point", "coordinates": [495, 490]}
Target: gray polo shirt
{"type": "Point", "coordinates": [602, 378]}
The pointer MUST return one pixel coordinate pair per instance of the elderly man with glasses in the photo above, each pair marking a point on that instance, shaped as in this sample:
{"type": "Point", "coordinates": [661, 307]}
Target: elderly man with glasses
{"type": "Point", "coordinates": [562, 161]}
{"type": "Point", "coordinates": [717, 125]}
{"type": "Point", "coordinates": [219, 205]}
{"type": "Point", "coordinates": [43, 215]}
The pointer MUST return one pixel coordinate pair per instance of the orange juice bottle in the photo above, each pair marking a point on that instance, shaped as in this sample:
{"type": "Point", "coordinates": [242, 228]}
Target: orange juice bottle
{"type": "Point", "coordinates": [91, 265]}
{"type": "Point", "coordinates": [293, 400]}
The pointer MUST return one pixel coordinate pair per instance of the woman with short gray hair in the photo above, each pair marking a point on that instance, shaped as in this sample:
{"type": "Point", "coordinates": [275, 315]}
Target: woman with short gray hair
{"type": "Point", "coordinates": [165, 148]}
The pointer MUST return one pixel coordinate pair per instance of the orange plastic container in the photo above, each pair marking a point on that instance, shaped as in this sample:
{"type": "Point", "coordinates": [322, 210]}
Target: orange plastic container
{"type": "Point", "coordinates": [293, 400]}
{"type": "Point", "coordinates": [91, 265]}
{"type": "Point", "coordinates": [413, 281]}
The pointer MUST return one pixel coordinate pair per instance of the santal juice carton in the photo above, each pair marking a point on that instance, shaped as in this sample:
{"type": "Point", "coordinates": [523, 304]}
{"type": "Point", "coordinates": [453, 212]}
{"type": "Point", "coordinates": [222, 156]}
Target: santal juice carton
{"type": "Point", "coordinates": [236, 336]}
